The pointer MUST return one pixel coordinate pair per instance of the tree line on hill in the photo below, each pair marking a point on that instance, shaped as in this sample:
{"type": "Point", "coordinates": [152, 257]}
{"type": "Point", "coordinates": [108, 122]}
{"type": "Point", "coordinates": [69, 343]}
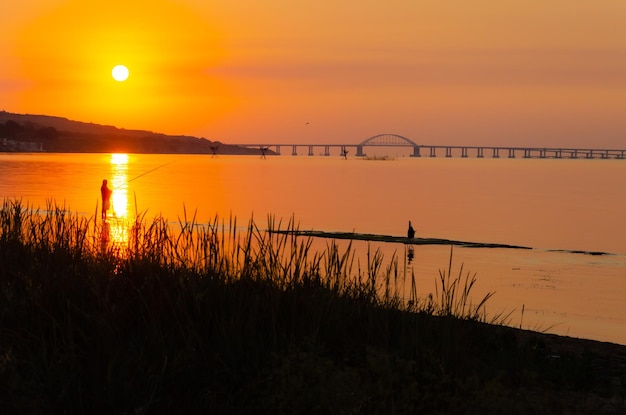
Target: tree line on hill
{"type": "Point", "coordinates": [60, 135]}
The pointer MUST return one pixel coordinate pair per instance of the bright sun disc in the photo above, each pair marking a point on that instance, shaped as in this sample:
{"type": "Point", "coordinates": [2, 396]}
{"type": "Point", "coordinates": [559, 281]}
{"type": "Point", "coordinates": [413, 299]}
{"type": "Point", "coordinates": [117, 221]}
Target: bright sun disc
{"type": "Point", "coordinates": [120, 73]}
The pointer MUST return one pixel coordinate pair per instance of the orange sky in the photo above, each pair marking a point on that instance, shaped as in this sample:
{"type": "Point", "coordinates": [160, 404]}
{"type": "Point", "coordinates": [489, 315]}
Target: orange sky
{"type": "Point", "coordinates": [538, 72]}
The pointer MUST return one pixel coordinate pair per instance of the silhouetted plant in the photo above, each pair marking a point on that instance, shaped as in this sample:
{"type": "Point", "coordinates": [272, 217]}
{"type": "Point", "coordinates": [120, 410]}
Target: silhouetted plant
{"type": "Point", "coordinates": [208, 318]}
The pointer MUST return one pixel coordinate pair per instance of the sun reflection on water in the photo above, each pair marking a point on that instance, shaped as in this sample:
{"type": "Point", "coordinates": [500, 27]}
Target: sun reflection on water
{"type": "Point", "coordinates": [118, 226]}
{"type": "Point", "coordinates": [119, 171]}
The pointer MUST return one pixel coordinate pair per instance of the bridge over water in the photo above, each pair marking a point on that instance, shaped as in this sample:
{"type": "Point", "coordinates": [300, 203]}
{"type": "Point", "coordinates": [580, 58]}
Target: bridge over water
{"type": "Point", "coordinates": [419, 150]}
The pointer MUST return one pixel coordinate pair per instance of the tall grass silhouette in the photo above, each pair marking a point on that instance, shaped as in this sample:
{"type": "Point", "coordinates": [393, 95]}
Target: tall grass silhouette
{"type": "Point", "coordinates": [186, 317]}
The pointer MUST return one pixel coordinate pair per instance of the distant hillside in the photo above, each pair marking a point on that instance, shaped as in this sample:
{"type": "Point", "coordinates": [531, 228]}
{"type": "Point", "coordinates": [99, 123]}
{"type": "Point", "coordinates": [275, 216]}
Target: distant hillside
{"type": "Point", "coordinates": [61, 135]}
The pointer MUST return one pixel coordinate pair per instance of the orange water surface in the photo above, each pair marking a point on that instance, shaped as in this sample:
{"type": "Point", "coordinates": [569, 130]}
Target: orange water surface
{"type": "Point", "coordinates": [562, 209]}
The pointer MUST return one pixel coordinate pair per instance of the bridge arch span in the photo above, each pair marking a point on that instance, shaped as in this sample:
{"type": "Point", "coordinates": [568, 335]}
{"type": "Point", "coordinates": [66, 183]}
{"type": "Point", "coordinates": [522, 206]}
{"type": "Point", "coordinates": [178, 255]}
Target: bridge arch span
{"type": "Point", "coordinates": [388, 140]}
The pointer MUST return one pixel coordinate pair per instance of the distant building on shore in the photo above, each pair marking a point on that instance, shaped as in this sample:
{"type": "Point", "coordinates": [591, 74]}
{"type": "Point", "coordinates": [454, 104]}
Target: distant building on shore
{"type": "Point", "coordinates": [8, 145]}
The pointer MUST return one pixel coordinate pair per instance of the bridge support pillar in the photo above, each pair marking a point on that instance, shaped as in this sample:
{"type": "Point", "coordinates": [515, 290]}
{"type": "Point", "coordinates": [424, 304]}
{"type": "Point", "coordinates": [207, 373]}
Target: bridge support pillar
{"type": "Point", "coordinates": [450, 151]}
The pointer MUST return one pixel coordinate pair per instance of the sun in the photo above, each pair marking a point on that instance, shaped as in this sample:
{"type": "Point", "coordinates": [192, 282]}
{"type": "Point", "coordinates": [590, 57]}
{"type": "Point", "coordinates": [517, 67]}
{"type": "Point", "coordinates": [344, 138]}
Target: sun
{"type": "Point", "coordinates": [120, 73]}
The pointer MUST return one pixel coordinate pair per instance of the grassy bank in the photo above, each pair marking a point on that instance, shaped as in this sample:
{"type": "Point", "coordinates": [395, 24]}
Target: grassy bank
{"type": "Point", "coordinates": [206, 319]}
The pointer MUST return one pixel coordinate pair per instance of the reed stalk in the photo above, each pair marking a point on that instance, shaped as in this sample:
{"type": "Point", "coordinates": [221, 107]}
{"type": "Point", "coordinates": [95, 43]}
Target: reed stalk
{"type": "Point", "coordinates": [97, 322]}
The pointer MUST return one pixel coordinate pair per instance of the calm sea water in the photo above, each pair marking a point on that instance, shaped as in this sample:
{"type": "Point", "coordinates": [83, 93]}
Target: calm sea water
{"type": "Point", "coordinates": [556, 207]}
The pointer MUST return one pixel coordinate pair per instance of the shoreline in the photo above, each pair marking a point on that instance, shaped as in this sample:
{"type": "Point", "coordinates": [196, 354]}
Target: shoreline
{"type": "Point", "coordinates": [425, 241]}
{"type": "Point", "coordinates": [397, 239]}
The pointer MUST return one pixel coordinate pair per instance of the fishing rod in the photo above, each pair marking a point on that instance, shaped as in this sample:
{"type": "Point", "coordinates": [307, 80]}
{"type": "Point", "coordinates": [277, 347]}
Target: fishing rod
{"type": "Point", "coordinates": [149, 171]}
{"type": "Point", "coordinates": [141, 175]}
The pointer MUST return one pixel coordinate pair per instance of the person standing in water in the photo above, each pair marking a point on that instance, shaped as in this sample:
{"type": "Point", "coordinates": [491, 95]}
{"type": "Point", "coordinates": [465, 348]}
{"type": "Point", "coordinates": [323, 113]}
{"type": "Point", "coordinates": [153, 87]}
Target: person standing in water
{"type": "Point", "coordinates": [411, 232]}
{"type": "Point", "coordinates": [106, 198]}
